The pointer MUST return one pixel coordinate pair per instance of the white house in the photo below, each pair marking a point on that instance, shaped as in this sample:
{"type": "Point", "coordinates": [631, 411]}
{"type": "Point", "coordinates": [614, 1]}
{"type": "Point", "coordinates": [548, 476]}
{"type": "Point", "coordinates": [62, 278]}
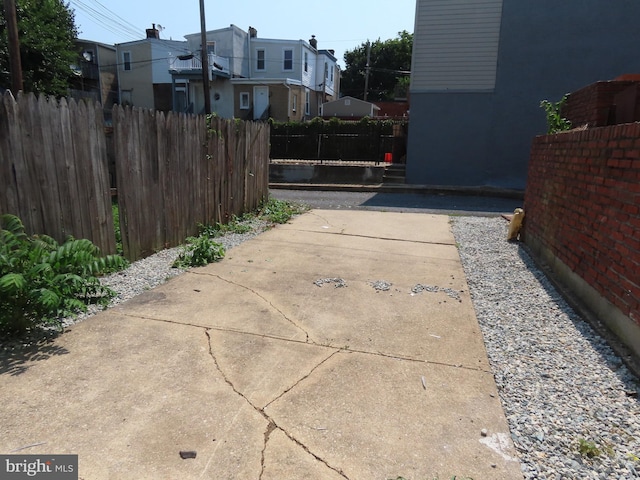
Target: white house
{"type": "Point", "coordinates": [256, 78]}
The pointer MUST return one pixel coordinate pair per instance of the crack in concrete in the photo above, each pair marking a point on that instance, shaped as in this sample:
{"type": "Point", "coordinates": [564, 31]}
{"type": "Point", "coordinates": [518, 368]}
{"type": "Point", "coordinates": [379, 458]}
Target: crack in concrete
{"type": "Point", "coordinates": [218, 329]}
{"type": "Point", "coordinates": [327, 222]}
{"type": "Point", "coordinates": [267, 434]}
{"type": "Point", "coordinates": [271, 424]}
{"type": "Point", "coordinates": [304, 377]}
{"type": "Point", "coordinates": [306, 334]}
{"type": "Point", "coordinates": [307, 342]}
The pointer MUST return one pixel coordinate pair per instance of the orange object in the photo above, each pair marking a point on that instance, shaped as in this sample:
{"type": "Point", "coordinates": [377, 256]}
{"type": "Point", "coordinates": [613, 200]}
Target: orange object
{"type": "Point", "coordinates": [388, 157]}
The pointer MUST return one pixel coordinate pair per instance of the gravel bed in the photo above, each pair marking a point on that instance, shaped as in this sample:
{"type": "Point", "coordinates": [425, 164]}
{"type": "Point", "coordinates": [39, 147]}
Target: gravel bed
{"type": "Point", "coordinates": [559, 382]}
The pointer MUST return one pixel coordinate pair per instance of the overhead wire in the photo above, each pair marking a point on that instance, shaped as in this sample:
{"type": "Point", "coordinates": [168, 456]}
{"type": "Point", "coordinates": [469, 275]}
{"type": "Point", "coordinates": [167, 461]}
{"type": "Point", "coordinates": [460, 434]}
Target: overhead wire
{"type": "Point", "coordinates": [107, 22]}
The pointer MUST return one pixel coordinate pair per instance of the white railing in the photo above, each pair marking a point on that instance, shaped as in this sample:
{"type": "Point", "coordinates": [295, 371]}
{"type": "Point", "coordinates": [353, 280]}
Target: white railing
{"type": "Point", "coordinates": [216, 62]}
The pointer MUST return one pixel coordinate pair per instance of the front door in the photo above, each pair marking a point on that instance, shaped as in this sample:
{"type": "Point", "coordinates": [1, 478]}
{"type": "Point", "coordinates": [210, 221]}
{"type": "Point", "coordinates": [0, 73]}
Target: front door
{"type": "Point", "coordinates": [260, 102]}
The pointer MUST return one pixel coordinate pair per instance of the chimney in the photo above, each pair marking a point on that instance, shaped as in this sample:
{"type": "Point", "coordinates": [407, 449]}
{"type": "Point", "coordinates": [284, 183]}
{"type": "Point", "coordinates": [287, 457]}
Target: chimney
{"type": "Point", "coordinates": [332, 52]}
{"type": "Point", "coordinates": [253, 33]}
{"type": "Point", "coordinates": [153, 32]}
{"type": "Point", "coordinates": [313, 42]}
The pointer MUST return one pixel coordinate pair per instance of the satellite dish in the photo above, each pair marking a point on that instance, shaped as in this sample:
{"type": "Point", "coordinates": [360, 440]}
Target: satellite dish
{"type": "Point", "coordinates": [159, 27]}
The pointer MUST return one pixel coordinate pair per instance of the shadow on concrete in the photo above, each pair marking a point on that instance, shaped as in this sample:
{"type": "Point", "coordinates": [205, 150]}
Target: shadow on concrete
{"type": "Point", "coordinates": [17, 355]}
{"type": "Point", "coordinates": [443, 203]}
{"type": "Point", "coordinates": [417, 202]}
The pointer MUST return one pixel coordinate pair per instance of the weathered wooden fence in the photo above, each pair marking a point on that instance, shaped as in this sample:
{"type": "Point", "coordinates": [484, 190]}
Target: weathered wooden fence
{"type": "Point", "coordinates": [53, 171]}
{"type": "Point", "coordinates": [171, 173]}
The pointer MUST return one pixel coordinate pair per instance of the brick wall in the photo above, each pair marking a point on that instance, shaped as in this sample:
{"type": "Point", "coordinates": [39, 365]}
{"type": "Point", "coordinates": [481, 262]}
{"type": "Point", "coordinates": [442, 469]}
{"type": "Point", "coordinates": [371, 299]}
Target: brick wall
{"type": "Point", "coordinates": [582, 205]}
{"type": "Point", "coordinates": [603, 103]}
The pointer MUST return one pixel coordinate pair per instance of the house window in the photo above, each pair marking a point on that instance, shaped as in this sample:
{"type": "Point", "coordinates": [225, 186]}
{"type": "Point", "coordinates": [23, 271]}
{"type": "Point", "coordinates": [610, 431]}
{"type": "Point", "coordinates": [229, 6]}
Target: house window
{"type": "Point", "coordinates": [126, 98]}
{"type": "Point", "coordinates": [331, 74]}
{"type": "Point", "coordinates": [260, 59]}
{"type": "Point", "coordinates": [307, 103]}
{"type": "Point", "coordinates": [244, 100]}
{"type": "Point", "coordinates": [306, 61]}
{"type": "Point", "coordinates": [326, 70]}
{"type": "Point", "coordinates": [211, 48]}
{"type": "Point", "coordinates": [295, 102]}
{"type": "Point", "coordinates": [288, 60]}
{"type": "Point", "coordinates": [347, 102]}
{"type": "Point", "coordinates": [126, 60]}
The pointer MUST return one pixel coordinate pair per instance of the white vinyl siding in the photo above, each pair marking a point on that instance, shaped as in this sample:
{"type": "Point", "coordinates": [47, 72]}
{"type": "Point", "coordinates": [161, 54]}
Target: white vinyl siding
{"type": "Point", "coordinates": [456, 45]}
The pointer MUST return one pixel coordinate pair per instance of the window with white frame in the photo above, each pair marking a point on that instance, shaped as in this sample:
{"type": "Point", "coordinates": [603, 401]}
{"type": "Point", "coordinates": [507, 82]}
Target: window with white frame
{"type": "Point", "coordinates": [260, 59]}
{"type": "Point", "coordinates": [306, 61]}
{"type": "Point", "coordinates": [295, 103]}
{"type": "Point", "coordinates": [126, 61]}
{"type": "Point", "coordinates": [331, 74]}
{"type": "Point", "coordinates": [307, 102]}
{"type": "Point", "coordinates": [288, 60]}
{"type": "Point", "coordinates": [244, 100]}
{"type": "Point", "coordinates": [326, 70]}
{"type": "Point", "coordinates": [211, 47]}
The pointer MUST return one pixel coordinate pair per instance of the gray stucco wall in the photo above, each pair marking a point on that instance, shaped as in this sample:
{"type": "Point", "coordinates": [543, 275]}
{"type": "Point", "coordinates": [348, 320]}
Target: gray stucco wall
{"type": "Point", "coordinates": [547, 48]}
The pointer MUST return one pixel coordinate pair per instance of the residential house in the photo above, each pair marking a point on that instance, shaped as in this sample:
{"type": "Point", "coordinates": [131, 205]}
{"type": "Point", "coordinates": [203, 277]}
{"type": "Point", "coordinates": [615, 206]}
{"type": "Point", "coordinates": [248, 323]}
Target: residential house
{"type": "Point", "coordinates": [348, 108]}
{"type": "Point", "coordinates": [95, 75]}
{"type": "Point", "coordinates": [144, 80]}
{"type": "Point", "coordinates": [256, 78]}
{"type": "Point", "coordinates": [227, 51]}
{"type": "Point", "coordinates": [481, 67]}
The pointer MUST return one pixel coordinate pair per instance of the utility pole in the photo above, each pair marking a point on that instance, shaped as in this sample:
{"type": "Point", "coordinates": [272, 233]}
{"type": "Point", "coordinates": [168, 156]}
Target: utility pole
{"type": "Point", "coordinates": [366, 69]}
{"type": "Point", "coordinates": [205, 60]}
{"type": "Point", "coordinates": [14, 46]}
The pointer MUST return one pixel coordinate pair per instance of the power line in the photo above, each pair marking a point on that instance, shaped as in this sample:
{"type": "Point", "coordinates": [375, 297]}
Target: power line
{"type": "Point", "coordinates": [107, 22]}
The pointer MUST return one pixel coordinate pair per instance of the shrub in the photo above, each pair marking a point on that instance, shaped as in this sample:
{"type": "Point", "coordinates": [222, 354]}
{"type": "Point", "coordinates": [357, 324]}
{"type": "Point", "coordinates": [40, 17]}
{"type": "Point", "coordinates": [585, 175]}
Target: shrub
{"type": "Point", "coordinates": [41, 282]}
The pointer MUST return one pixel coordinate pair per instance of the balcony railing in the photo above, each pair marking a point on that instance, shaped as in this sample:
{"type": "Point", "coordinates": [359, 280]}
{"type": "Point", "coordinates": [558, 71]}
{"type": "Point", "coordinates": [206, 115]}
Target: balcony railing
{"type": "Point", "coordinates": [194, 64]}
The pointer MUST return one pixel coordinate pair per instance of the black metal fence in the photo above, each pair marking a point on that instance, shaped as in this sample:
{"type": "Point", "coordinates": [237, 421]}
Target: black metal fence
{"type": "Point", "coordinates": [362, 141]}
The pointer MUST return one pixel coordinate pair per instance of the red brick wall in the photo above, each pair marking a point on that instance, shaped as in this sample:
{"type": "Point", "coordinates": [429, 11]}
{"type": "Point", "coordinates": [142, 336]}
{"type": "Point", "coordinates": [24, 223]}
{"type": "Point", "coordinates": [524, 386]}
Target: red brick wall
{"type": "Point", "coordinates": [582, 203]}
{"type": "Point", "coordinates": [595, 104]}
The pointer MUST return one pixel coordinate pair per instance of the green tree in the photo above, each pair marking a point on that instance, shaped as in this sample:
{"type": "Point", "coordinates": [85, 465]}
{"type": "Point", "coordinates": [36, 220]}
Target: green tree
{"type": "Point", "coordinates": [47, 32]}
{"type": "Point", "coordinates": [389, 64]}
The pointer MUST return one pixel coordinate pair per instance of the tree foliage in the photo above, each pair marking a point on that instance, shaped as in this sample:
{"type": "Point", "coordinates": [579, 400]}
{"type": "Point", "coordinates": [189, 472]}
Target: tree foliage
{"type": "Point", "coordinates": [47, 32]}
{"type": "Point", "coordinates": [388, 60]}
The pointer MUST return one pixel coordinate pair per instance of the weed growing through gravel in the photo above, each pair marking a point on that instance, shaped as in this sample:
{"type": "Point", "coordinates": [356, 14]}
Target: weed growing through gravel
{"type": "Point", "coordinates": [203, 249]}
{"type": "Point", "coordinates": [198, 252]}
{"type": "Point", "coordinates": [588, 449]}
{"type": "Point", "coordinates": [280, 211]}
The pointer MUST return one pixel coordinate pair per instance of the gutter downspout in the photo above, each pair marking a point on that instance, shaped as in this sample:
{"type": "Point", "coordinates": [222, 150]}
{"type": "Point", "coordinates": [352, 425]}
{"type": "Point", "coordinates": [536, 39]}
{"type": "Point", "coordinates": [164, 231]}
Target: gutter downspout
{"type": "Point", "coordinates": [286, 84]}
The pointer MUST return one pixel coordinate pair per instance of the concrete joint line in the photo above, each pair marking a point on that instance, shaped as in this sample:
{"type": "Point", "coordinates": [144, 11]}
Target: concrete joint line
{"type": "Point", "coordinates": [271, 424]}
{"type": "Point", "coordinates": [416, 360]}
{"type": "Point", "coordinates": [267, 301]}
{"type": "Point", "coordinates": [341, 233]}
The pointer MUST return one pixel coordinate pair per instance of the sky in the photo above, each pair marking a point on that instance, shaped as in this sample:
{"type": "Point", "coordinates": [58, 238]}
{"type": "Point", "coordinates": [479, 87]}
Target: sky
{"type": "Point", "coordinates": [338, 25]}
